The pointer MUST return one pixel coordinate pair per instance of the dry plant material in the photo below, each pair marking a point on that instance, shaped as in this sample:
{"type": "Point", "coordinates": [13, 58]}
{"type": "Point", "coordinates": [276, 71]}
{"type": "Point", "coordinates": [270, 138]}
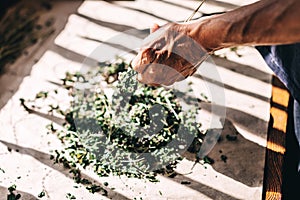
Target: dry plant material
{"type": "Point", "coordinates": [20, 29]}
{"type": "Point", "coordinates": [102, 133]}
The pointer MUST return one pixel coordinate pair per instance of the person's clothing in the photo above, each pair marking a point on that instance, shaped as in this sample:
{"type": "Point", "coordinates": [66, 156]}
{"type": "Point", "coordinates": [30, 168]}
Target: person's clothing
{"type": "Point", "coordinates": [297, 124]}
{"type": "Point", "coordinates": [284, 60]}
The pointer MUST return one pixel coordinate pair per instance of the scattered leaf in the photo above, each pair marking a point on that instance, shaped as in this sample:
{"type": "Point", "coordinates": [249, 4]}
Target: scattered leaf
{"type": "Point", "coordinates": [185, 182]}
{"type": "Point", "coordinates": [41, 194]}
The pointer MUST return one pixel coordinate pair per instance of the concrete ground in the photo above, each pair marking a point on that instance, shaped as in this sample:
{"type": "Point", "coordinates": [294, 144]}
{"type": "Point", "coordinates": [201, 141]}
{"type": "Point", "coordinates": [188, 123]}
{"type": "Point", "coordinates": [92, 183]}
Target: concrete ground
{"type": "Point", "coordinates": [81, 27]}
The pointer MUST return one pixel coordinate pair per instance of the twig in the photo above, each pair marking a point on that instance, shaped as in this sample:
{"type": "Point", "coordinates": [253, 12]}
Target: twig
{"type": "Point", "coordinates": [195, 11]}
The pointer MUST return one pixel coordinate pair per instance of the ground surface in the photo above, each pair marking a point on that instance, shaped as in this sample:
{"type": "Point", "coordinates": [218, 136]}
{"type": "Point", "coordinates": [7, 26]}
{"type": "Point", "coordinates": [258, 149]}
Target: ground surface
{"type": "Point", "coordinates": [81, 27]}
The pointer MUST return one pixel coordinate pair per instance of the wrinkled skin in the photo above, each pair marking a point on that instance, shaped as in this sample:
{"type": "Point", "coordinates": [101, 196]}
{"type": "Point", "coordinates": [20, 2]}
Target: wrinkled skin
{"type": "Point", "coordinates": [256, 24]}
{"type": "Point", "coordinates": [170, 57]}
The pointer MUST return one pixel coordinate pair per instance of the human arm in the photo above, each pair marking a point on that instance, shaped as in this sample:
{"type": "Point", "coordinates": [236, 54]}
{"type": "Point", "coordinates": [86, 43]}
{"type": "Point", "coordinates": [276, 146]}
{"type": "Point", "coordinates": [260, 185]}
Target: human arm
{"type": "Point", "coordinates": [266, 22]}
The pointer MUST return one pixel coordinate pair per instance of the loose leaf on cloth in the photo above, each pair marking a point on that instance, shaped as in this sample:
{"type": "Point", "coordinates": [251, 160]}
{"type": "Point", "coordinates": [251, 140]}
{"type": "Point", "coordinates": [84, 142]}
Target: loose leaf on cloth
{"type": "Point", "coordinates": [137, 131]}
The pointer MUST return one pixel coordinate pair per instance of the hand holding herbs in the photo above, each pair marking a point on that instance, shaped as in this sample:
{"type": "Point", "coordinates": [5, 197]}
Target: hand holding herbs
{"type": "Point", "coordinates": [137, 131]}
{"type": "Point", "coordinates": [171, 56]}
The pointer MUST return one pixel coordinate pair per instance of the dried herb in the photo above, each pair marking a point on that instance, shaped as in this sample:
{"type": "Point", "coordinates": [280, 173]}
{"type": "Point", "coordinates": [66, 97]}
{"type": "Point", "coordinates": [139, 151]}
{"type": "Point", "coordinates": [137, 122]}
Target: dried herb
{"type": "Point", "coordinates": [70, 196]}
{"type": "Point", "coordinates": [41, 194]}
{"type": "Point", "coordinates": [231, 137]}
{"type": "Point", "coordinates": [19, 30]}
{"type": "Point", "coordinates": [184, 182]}
{"type": "Point", "coordinates": [12, 195]}
{"type": "Point", "coordinates": [224, 158]}
{"type": "Point", "coordinates": [208, 160]}
{"type": "Point", "coordinates": [127, 133]}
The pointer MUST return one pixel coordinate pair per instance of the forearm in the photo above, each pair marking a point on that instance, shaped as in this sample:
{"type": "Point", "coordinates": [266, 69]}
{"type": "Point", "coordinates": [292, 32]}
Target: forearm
{"type": "Point", "coordinates": [263, 23]}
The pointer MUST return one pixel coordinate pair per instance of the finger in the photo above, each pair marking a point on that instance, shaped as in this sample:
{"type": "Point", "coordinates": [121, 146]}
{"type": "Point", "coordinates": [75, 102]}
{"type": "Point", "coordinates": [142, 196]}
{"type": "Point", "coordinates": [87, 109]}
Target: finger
{"type": "Point", "coordinates": [149, 76]}
{"type": "Point", "coordinates": [154, 28]}
{"type": "Point", "coordinates": [154, 74]}
{"type": "Point", "coordinates": [142, 60]}
{"type": "Point", "coordinates": [137, 63]}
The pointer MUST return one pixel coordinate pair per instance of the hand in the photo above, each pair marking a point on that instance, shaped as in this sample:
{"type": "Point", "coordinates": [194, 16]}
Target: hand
{"type": "Point", "coordinates": [171, 56]}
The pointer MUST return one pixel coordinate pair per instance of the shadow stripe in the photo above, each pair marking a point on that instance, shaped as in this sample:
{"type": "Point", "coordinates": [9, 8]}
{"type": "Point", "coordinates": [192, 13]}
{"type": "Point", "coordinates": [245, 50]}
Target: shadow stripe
{"type": "Point", "coordinates": [119, 27]}
{"type": "Point", "coordinates": [45, 159]}
{"type": "Point", "coordinates": [140, 11]}
{"type": "Point", "coordinates": [263, 98]}
{"type": "Point", "coordinates": [242, 69]}
{"type": "Point", "coordinates": [203, 189]}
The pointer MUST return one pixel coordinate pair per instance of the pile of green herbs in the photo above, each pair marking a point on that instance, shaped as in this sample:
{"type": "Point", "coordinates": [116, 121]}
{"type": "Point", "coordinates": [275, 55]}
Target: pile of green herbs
{"type": "Point", "coordinates": [118, 134]}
